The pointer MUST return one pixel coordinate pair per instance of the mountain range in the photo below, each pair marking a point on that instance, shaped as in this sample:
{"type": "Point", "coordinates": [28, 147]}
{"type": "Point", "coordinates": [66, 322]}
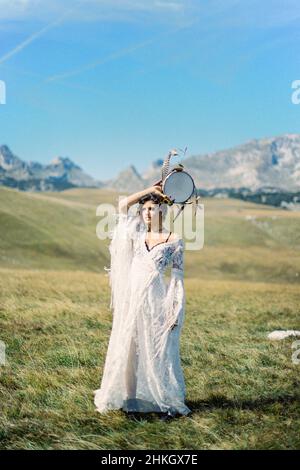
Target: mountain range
{"type": "Point", "coordinates": [61, 173]}
{"type": "Point", "coordinates": [271, 164]}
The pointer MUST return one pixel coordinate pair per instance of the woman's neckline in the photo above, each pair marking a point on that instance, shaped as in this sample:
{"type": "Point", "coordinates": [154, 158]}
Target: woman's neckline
{"type": "Point", "coordinates": [160, 243]}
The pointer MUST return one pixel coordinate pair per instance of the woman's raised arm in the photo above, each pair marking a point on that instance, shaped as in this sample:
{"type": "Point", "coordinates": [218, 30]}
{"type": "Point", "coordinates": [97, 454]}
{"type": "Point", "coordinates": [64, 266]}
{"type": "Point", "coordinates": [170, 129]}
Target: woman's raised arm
{"type": "Point", "coordinates": [128, 201]}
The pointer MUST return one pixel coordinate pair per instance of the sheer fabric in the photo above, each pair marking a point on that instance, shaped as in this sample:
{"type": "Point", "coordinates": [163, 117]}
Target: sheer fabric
{"type": "Point", "coordinates": [142, 370]}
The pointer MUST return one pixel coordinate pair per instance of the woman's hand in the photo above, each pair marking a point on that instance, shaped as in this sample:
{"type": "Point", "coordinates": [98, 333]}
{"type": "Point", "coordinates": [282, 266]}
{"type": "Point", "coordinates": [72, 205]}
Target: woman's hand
{"type": "Point", "coordinates": [157, 189]}
{"type": "Point", "coordinates": [128, 201]}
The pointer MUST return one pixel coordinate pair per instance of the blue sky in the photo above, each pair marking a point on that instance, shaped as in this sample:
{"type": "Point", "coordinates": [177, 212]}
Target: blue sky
{"type": "Point", "coordinates": [113, 83]}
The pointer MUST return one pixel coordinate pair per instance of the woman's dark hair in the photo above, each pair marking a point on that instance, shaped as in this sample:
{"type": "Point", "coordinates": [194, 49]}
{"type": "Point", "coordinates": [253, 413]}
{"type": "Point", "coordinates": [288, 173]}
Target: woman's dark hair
{"type": "Point", "coordinates": [156, 199]}
{"type": "Point", "coordinates": [150, 197]}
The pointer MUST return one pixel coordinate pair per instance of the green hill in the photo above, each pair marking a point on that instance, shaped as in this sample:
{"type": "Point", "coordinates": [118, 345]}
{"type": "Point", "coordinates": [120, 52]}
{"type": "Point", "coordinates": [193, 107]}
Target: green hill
{"type": "Point", "coordinates": [46, 232]}
{"type": "Point", "coordinates": [58, 231]}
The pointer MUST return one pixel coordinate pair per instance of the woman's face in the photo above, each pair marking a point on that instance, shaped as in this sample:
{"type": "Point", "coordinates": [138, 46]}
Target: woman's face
{"type": "Point", "coordinates": [150, 213]}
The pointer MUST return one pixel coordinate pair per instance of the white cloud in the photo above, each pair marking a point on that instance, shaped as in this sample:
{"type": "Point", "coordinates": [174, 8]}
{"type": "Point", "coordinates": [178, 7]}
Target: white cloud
{"type": "Point", "coordinates": [85, 10]}
{"type": "Point", "coordinates": [33, 36]}
{"type": "Point", "coordinates": [91, 9]}
{"type": "Point", "coordinates": [118, 54]}
{"type": "Point", "coordinates": [16, 9]}
{"type": "Point", "coordinates": [252, 13]}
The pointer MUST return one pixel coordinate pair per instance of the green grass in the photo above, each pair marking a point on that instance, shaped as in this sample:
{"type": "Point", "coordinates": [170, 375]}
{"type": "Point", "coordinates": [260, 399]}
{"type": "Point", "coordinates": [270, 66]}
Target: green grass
{"type": "Point", "coordinates": [54, 319]}
{"type": "Point", "coordinates": [242, 388]}
{"type": "Point", "coordinates": [39, 232]}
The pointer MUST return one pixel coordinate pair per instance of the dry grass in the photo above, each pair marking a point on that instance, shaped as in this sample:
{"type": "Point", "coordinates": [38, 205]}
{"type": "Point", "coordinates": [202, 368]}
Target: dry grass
{"type": "Point", "coordinates": [243, 390]}
{"type": "Point", "coordinates": [55, 321]}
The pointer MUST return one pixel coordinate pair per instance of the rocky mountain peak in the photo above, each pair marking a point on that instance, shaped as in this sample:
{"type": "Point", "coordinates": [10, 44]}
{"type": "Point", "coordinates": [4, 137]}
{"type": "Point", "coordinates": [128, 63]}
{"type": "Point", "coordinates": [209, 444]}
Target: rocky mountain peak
{"type": "Point", "coordinates": [8, 160]}
{"type": "Point", "coordinates": [64, 162]}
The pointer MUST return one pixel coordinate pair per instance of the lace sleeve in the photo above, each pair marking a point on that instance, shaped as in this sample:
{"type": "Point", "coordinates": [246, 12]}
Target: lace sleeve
{"type": "Point", "coordinates": [175, 299]}
{"type": "Point", "coordinates": [128, 224]}
{"type": "Point", "coordinates": [177, 262]}
{"type": "Point", "coordinates": [121, 253]}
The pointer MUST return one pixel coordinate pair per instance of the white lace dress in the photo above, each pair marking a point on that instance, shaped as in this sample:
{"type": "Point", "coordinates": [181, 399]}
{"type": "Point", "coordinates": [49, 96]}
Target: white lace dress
{"type": "Point", "coordinates": [142, 370]}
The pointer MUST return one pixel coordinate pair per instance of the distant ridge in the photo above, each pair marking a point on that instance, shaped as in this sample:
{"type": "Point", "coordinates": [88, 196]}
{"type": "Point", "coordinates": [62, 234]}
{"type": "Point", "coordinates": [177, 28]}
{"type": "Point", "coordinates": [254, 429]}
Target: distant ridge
{"type": "Point", "coordinates": [62, 173]}
{"type": "Point", "coordinates": [269, 164]}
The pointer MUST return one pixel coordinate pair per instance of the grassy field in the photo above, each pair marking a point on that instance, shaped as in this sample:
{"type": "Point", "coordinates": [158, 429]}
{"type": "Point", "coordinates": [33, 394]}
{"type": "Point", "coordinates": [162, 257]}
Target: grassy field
{"type": "Point", "coordinates": [54, 318]}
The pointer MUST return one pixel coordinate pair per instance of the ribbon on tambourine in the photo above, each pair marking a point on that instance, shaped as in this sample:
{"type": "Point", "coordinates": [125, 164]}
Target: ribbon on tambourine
{"type": "Point", "coordinates": [196, 207]}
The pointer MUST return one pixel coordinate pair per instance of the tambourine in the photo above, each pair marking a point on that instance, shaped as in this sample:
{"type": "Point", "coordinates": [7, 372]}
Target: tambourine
{"type": "Point", "coordinates": [176, 184]}
{"type": "Point", "coordinates": [179, 186]}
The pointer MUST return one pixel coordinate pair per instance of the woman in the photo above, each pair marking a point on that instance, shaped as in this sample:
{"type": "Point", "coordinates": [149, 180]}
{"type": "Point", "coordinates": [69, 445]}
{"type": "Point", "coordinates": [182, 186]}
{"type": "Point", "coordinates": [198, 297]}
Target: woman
{"type": "Point", "coordinates": [142, 371]}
